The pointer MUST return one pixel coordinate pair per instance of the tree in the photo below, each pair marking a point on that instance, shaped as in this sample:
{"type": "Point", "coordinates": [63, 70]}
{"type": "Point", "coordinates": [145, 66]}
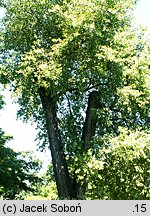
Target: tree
{"type": "Point", "coordinates": [46, 188]}
{"type": "Point", "coordinates": [18, 170]}
{"type": "Point", "coordinates": [121, 169]}
{"type": "Point", "coordinates": [80, 70]}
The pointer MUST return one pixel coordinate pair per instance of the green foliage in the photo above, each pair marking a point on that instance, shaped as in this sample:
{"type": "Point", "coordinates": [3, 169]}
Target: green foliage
{"type": "Point", "coordinates": [125, 173]}
{"type": "Point", "coordinates": [118, 171]}
{"type": "Point", "coordinates": [71, 48]}
{"type": "Point", "coordinates": [45, 192]}
{"type": "Point", "coordinates": [18, 170]}
{"type": "Point", "coordinates": [46, 189]}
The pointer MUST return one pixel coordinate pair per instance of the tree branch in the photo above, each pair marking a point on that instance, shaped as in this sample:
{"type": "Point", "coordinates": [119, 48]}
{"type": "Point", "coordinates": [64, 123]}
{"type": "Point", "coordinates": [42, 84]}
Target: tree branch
{"type": "Point", "coordinates": [89, 127]}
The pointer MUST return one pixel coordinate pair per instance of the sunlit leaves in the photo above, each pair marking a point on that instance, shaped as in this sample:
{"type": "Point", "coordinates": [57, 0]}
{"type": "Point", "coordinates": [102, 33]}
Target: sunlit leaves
{"type": "Point", "coordinates": [125, 173]}
{"type": "Point", "coordinates": [70, 49]}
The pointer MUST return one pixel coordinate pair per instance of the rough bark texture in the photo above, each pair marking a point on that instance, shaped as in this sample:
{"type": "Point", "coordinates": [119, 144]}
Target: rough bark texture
{"type": "Point", "coordinates": [63, 181]}
{"type": "Point", "coordinates": [89, 127]}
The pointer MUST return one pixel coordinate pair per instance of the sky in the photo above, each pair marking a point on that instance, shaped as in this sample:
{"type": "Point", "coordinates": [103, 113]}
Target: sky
{"type": "Point", "coordinates": [142, 13]}
{"type": "Point", "coordinates": [24, 134]}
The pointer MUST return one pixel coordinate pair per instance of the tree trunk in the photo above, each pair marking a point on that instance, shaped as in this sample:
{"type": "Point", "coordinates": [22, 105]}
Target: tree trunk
{"type": "Point", "coordinates": [89, 127]}
{"type": "Point", "coordinates": [63, 181]}
{"type": "Point", "coordinates": [66, 187]}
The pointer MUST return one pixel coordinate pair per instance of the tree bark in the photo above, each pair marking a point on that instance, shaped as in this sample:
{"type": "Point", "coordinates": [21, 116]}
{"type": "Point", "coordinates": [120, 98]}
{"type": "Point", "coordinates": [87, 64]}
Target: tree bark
{"type": "Point", "coordinates": [67, 187]}
{"type": "Point", "coordinates": [63, 181]}
{"type": "Point", "coordinates": [89, 127]}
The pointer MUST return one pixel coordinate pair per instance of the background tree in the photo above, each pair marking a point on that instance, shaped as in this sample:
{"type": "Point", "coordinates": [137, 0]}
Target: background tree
{"type": "Point", "coordinates": [80, 70]}
{"type": "Point", "coordinates": [18, 170]}
{"type": "Point", "coordinates": [46, 188]}
{"type": "Point", "coordinates": [121, 169]}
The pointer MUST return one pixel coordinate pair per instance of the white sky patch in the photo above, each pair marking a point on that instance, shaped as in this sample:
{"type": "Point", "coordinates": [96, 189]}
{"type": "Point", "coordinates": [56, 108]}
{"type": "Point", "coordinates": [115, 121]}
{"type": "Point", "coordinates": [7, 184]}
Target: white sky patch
{"type": "Point", "coordinates": [142, 13]}
{"type": "Point", "coordinates": [2, 12]}
{"type": "Point", "coordinates": [23, 134]}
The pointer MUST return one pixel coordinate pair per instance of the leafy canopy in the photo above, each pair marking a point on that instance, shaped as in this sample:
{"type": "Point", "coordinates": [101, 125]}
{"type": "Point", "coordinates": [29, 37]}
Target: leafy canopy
{"type": "Point", "coordinates": [121, 169]}
{"type": "Point", "coordinates": [71, 48]}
